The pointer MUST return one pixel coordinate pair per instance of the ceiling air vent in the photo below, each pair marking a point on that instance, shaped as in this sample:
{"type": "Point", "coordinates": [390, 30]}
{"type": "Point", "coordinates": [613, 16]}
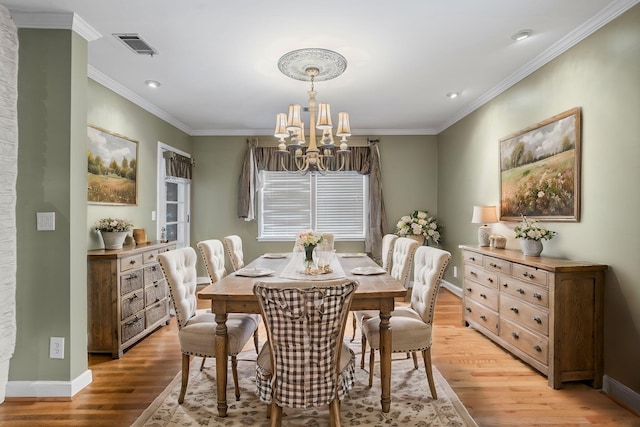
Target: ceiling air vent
{"type": "Point", "coordinates": [136, 44]}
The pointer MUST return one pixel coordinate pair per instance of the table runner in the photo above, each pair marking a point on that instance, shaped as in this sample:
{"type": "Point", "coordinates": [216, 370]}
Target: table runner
{"type": "Point", "coordinates": [295, 269]}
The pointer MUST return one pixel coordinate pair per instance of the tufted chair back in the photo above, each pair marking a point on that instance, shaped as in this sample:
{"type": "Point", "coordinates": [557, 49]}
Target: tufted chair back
{"type": "Point", "coordinates": [213, 256]}
{"type": "Point", "coordinates": [429, 266]}
{"type": "Point", "coordinates": [388, 241]}
{"type": "Point", "coordinates": [233, 244]}
{"type": "Point", "coordinates": [179, 267]}
{"type": "Point", "coordinates": [402, 259]}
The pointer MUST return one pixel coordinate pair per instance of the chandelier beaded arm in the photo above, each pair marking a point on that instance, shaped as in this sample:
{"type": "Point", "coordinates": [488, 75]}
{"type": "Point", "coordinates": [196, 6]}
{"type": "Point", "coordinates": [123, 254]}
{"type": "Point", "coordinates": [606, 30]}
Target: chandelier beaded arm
{"type": "Point", "coordinates": [312, 65]}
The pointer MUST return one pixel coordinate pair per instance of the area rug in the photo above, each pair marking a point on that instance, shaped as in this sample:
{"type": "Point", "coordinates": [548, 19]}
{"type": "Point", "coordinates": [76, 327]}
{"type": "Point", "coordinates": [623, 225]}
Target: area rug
{"type": "Point", "coordinates": [411, 402]}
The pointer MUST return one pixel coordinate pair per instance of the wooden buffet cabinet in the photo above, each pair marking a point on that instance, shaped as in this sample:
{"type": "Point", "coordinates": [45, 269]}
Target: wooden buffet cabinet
{"type": "Point", "coordinates": [127, 296]}
{"type": "Point", "coordinates": [546, 311]}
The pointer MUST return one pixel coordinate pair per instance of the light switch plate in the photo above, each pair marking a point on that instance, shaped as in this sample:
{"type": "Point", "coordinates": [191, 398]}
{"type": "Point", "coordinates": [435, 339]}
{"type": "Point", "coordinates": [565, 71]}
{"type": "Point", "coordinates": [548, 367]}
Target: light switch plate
{"type": "Point", "coordinates": [46, 221]}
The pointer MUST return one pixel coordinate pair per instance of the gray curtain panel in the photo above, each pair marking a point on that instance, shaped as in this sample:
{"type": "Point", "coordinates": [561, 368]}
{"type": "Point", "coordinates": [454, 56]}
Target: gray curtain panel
{"type": "Point", "coordinates": [364, 160]}
{"type": "Point", "coordinates": [177, 165]}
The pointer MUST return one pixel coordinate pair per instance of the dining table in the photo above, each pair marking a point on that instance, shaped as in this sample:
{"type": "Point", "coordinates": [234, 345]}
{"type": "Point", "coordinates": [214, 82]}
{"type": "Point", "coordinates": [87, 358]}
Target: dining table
{"type": "Point", "coordinates": [377, 290]}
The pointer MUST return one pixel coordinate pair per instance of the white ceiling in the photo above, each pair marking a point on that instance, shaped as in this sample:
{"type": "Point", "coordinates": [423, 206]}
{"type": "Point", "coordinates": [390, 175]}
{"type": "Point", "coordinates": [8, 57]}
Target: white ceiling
{"type": "Point", "coordinates": [217, 61]}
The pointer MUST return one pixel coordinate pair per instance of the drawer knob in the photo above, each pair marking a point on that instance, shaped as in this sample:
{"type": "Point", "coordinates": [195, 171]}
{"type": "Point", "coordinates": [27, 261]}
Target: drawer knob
{"type": "Point", "coordinates": [472, 258]}
{"type": "Point", "coordinates": [515, 335]}
{"type": "Point", "coordinates": [469, 289]}
{"type": "Point", "coordinates": [505, 285]}
{"type": "Point", "coordinates": [468, 309]}
{"type": "Point", "coordinates": [528, 275]}
{"type": "Point", "coordinates": [473, 273]}
{"type": "Point", "coordinates": [133, 298]}
{"type": "Point", "coordinates": [521, 291]}
{"type": "Point", "coordinates": [537, 348]}
{"type": "Point", "coordinates": [483, 317]}
{"type": "Point", "coordinates": [133, 261]}
{"type": "Point", "coordinates": [537, 319]}
{"type": "Point", "coordinates": [537, 296]}
{"type": "Point", "coordinates": [490, 280]}
{"type": "Point", "coordinates": [514, 309]}
{"type": "Point", "coordinates": [132, 276]}
{"type": "Point", "coordinates": [154, 268]}
{"type": "Point", "coordinates": [483, 295]}
{"type": "Point", "coordinates": [491, 264]}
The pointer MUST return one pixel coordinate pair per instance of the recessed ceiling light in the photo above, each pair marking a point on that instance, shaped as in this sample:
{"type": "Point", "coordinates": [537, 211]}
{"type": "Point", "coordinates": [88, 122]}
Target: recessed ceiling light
{"type": "Point", "coordinates": [152, 83]}
{"type": "Point", "coordinates": [452, 95]}
{"type": "Point", "coordinates": [521, 35]}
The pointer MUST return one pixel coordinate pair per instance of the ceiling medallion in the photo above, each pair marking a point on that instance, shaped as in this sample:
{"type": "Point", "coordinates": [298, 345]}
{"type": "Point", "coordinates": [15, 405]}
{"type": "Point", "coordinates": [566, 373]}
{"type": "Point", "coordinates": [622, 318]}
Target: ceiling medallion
{"type": "Point", "coordinates": [329, 64]}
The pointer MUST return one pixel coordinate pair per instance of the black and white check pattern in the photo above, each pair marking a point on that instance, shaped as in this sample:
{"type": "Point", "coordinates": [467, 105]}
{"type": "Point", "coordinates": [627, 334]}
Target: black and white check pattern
{"type": "Point", "coordinates": [305, 328]}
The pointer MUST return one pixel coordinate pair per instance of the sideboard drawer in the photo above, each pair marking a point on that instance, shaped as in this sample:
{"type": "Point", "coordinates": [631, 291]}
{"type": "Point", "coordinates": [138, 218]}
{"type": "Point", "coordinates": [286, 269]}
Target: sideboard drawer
{"type": "Point", "coordinates": [132, 303]}
{"type": "Point", "coordinates": [534, 318]}
{"type": "Point", "coordinates": [130, 262]}
{"type": "Point", "coordinates": [150, 256]}
{"type": "Point", "coordinates": [534, 345]}
{"type": "Point", "coordinates": [155, 293]}
{"type": "Point", "coordinates": [481, 294]}
{"type": "Point", "coordinates": [499, 265]}
{"type": "Point", "coordinates": [153, 274]}
{"type": "Point", "coordinates": [130, 282]}
{"type": "Point", "coordinates": [481, 315]}
{"type": "Point", "coordinates": [526, 291]}
{"type": "Point", "coordinates": [481, 276]}
{"type": "Point", "coordinates": [530, 274]}
{"type": "Point", "coordinates": [472, 258]}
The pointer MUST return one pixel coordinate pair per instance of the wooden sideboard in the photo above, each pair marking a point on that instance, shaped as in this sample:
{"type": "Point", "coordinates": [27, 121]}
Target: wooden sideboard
{"type": "Point", "coordinates": [546, 311]}
{"type": "Point", "coordinates": [127, 296]}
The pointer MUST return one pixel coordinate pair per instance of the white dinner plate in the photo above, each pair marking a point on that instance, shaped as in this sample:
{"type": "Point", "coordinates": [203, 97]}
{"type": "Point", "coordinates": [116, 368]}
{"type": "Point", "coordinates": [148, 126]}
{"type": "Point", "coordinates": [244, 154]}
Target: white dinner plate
{"type": "Point", "coordinates": [274, 256]}
{"type": "Point", "coordinates": [254, 272]}
{"type": "Point", "coordinates": [367, 271]}
{"type": "Point", "coordinates": [354, 255]}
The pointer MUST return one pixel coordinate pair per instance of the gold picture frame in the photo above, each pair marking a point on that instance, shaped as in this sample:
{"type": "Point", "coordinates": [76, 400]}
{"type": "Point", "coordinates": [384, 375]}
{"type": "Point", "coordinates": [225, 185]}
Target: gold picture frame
{"type": "Point", "coordinates": [112, 168]}
{"type": "Point", "coordinates": [540, 170]}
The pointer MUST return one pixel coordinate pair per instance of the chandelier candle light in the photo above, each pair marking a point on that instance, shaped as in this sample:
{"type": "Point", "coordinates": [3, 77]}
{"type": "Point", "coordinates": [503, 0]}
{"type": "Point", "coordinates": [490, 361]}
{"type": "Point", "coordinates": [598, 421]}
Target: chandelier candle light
{"type": "Point", "coordinates": [312, 65]}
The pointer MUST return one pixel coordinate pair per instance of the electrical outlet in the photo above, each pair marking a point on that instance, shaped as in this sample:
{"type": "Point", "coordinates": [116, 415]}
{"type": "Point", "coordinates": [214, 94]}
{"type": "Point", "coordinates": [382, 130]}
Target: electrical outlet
{"type": "Point", "coordinates": [56, 348]}
{"type": "Point", "coordinates": [455, 271]}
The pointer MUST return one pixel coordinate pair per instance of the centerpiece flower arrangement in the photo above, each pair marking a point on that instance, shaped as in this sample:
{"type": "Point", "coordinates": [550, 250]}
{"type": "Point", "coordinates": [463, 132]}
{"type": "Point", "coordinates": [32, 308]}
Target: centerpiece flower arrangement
{"type": "Point", "coordinates": [308, 239]}
{"type": "Point", "coordinates": [113, 231]}
{"type": "Point", "coordinates": [532, 235]}
{"type": "Point", "coordinates": [419, 223]}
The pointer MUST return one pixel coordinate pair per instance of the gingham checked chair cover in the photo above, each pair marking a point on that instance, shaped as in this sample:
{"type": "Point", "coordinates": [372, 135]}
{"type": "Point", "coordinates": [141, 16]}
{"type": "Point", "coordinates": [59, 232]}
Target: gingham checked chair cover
{"type": "Point", "coordinates": [305, 325]}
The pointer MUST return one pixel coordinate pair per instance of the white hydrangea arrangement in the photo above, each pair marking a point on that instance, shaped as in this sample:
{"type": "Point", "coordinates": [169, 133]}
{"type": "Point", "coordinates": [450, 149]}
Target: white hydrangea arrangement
{"type": "Point", "coordinates": [113, 224]}
{"type": "Point", "coordinates": [529, 229]}
{"type": "Point", "coordinates": [419, 223]}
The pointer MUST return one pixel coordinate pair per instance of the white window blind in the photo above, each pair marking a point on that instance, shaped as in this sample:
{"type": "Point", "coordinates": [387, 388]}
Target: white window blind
{"type": "Point", "coordinates": [333, 203]}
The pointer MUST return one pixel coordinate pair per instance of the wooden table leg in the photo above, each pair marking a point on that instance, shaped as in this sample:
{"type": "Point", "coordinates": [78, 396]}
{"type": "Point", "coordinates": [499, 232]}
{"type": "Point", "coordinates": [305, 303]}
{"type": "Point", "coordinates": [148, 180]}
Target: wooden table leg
{"type": "Point", "coordinates": [221, 363]}
{"type": "Point", "coordinates": [385, 360]}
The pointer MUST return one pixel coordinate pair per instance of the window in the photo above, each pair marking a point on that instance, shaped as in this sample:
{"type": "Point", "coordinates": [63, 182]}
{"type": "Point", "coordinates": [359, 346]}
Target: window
{"type": "Point", "coordinates": [333, 203]}
{"type": "Point", "coordinates": [174, 202]}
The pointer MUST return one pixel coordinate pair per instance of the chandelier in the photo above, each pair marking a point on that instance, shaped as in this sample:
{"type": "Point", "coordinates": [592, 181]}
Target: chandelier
{"type": "Point", "coordinates": [320, 153]}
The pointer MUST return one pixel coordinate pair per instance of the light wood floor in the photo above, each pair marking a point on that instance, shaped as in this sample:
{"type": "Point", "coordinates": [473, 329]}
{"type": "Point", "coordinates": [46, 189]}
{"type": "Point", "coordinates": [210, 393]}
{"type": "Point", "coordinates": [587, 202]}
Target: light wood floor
{"type": "Point", "coordinates": [497, 389]}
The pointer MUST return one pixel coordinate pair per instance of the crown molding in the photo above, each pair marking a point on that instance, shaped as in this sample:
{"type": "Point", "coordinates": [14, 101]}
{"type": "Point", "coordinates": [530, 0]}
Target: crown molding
{"type": "Point", "coordinates": [113, 85]}
{"type": "Point", "coordinates": [269, 132]}
{"type": "Point", "coordinates": [55, 21]}
{"type": "Point", "coordinates": [589, 27]}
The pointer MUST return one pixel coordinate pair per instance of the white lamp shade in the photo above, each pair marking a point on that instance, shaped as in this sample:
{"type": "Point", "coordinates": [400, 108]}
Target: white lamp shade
{"type": "Point", "coordinates": [281, 126]}
{"type": "Point", "coordinates": [344, 129]}
{"type": "Point", "coordinates": [293, 119]}
{"type": "Point", "coordinates": [324, 117]}
{"type": "Point", "coordinates": [484, 215]}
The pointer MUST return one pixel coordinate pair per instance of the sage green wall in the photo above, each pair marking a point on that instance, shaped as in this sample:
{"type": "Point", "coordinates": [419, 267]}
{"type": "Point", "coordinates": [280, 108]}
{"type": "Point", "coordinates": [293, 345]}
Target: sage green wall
{"type": "Point", "coordinates": [114, 113]}
{"type": "Point", "coordinates": [409, 170]}
{"type": "Point", "coordinates": [602, 76]}
{"type": "Point", "coordinates": [51, 270]}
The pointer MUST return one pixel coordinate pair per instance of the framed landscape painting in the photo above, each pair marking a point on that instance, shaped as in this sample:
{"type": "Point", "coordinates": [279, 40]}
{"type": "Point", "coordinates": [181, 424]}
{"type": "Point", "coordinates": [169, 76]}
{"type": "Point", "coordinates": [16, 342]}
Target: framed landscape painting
{"type": "Point", "coordinates": [540, 170]}
{"type": "Point", "coordinates": [112, 168]}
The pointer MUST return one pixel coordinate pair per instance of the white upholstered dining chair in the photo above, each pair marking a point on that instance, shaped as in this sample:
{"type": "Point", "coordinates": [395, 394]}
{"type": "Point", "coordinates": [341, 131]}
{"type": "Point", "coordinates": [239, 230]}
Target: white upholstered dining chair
{"type": "Point", "coordinates": [233, 245]}
{"type": "Point", "coordinates": [197, 328]}
{"type": "Point", "coordinates": [305, 362]}
{"type": "Point", "coordinates": [412, 326]}
{"type": "Point", "coordinates": [400, 269]}
{"type": "Point", "coordinates": [212, 252]}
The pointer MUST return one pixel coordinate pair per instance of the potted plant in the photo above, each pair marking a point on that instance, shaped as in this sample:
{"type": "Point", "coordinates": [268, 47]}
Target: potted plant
{"type": "Point", "coordinates": [419, 225]}
{"type": "Point", "coordinates": [113, 231]}
{"type": "Point", "coordinates": [532, 235]}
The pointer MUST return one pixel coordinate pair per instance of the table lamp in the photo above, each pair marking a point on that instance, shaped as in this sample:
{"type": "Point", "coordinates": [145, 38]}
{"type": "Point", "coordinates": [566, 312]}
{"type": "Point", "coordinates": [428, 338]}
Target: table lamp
{"type": "Point", "coordinates": [484, 215]}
